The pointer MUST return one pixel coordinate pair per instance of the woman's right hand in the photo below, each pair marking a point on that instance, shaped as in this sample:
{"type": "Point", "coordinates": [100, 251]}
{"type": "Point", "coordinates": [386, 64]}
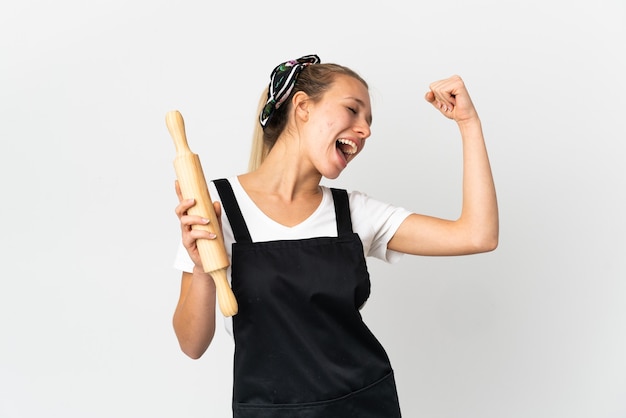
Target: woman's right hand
{"type": "Point", "coordinates": [190, 235]}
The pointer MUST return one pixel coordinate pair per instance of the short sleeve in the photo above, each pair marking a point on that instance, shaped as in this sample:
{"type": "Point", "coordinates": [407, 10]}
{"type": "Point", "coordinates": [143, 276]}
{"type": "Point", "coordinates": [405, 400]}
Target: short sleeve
{"type": "Point", "coordinates": [376, 223]}
{"type": "Point", "coordinates": [182, 261]}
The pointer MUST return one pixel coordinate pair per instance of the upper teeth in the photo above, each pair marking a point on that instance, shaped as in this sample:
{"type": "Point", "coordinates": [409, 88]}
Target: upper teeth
{"type": "Point", "coordinates": [351, 144]}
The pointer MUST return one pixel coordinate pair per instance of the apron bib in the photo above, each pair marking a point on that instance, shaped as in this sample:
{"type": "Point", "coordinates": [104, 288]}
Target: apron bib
{"type": "Point", "coordinates": [301, 347]}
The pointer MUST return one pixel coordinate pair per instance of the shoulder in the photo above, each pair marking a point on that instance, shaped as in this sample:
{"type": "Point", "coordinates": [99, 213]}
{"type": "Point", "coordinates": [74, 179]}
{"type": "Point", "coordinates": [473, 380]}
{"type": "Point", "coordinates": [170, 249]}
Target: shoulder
{"type": "Point", "coordinates": [370, 212]}
{"type": "Point", "coordinates": [226, 181]}
{"type": "Point", "coordinates": [376, 222]}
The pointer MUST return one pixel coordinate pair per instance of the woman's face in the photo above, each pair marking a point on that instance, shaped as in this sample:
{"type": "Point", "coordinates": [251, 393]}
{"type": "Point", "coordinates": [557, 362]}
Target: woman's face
{"type": "Point", "coordinates": [338, 125]}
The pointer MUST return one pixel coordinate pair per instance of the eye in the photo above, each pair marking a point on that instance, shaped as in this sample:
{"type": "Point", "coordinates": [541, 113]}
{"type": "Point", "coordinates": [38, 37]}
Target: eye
{"type": "Point", "coordinates": [352, 110]}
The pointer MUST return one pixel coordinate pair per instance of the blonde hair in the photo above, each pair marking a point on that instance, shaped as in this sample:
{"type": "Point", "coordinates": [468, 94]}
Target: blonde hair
{"type": "Point", "coordinates": [260, 148]}
{"type": "Point", "coordinates": [314, 80]}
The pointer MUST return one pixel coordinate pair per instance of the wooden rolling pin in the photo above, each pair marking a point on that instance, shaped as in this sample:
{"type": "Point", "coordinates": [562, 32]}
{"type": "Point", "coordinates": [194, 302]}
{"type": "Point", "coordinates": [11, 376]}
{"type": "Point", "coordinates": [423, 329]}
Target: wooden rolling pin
{"type": "Point", "coordinates": [193, 186]}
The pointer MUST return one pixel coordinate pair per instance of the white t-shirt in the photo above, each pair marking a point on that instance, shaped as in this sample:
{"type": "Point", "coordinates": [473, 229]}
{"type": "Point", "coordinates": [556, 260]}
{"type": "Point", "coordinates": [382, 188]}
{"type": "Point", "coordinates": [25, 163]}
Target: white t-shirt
{"type": "Point", "coordinates": [375, 222]}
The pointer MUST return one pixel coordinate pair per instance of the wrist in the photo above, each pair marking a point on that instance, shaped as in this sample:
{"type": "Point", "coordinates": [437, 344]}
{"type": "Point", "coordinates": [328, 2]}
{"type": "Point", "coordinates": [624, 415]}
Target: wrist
{"type": "Point", "coordinates": [470, 124]}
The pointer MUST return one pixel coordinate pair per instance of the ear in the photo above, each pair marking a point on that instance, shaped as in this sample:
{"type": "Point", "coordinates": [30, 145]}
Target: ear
{"type": "Point", "coordinates": [300, 102]}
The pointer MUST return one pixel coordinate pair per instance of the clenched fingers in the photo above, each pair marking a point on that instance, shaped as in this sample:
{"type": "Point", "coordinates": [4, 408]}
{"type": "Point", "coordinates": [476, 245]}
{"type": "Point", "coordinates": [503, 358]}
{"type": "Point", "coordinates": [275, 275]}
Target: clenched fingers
{"type": "Point", "coordinates": [451, 98]}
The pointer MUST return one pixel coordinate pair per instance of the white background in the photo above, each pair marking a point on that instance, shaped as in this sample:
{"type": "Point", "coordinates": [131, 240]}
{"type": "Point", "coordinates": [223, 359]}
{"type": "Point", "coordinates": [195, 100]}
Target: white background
{"type": "Point", "coordinates": [88, 232]}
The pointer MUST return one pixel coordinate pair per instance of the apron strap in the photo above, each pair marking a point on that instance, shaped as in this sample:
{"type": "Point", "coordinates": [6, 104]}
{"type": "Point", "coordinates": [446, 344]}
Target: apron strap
{"type": "Point", "coordinates": [240, 228]}
{"type": "Point", "coordinates": [233, 212]}
{"type": "Point", "coordinates": [342, 212]}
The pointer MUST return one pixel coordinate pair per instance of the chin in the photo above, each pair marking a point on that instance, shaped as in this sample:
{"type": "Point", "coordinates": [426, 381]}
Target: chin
{"type": "Point", "coordinates": [332, 170]}
{"type": "Point", "coordinates": [332, 175]}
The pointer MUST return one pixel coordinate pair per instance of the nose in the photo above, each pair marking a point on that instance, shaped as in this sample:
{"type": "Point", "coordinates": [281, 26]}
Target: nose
{"type": "Point", "coordinates": [362, 128]}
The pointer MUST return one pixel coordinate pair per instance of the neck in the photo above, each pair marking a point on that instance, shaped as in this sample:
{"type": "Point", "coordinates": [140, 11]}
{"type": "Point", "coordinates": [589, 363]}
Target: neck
{"type": "Point", "coordinates": [283, 173]}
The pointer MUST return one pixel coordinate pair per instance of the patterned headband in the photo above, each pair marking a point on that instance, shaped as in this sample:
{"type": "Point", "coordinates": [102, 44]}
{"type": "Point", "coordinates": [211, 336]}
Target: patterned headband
{"type": "Point", "coordinates": [282, 80]}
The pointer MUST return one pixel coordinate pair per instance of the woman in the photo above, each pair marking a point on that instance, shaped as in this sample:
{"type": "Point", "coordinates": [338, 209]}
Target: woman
{"type": "Point", "coordinates": [298, 249]}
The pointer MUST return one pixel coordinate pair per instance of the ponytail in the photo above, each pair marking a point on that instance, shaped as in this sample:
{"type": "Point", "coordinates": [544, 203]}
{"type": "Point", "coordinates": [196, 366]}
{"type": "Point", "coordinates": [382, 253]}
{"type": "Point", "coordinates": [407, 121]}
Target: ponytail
{"type": "Point", "coordinates": [260, 148]}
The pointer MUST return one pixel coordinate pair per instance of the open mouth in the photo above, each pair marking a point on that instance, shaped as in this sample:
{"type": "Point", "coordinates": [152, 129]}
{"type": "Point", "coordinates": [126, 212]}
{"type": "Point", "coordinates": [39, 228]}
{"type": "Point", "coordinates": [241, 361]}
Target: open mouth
{"type": "Point", "coordinates": [346, 146]}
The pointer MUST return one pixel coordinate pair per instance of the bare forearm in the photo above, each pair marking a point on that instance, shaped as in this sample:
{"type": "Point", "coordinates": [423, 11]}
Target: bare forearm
{"type": "Point", "coordinates": [480, 208]}
{"type": "Point", "coordinates": [476, 230]}
{"type": "Point", "coordinates": [194, 318]}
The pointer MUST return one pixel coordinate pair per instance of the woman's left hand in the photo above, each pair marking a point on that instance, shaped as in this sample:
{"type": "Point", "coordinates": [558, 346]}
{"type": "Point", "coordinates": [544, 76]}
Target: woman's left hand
{"type": "Point", "coordinates": [451, 98]}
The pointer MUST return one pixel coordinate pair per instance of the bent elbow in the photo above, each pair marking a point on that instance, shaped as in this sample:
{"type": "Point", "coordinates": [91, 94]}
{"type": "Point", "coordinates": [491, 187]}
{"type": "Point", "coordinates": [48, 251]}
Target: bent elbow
{"type": "Point", "coordinates": [194, 350]}
{"type": "Point", "coordinates": [192, 354]}
{"type": "Point", "coordinates": [487, 243]}
{"type": "Point", "coordinates": [191, 343]}
{"type": "Point", "coordinates": [491, 245]}
{"type": "Point", "coordinates": [481, 241]}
